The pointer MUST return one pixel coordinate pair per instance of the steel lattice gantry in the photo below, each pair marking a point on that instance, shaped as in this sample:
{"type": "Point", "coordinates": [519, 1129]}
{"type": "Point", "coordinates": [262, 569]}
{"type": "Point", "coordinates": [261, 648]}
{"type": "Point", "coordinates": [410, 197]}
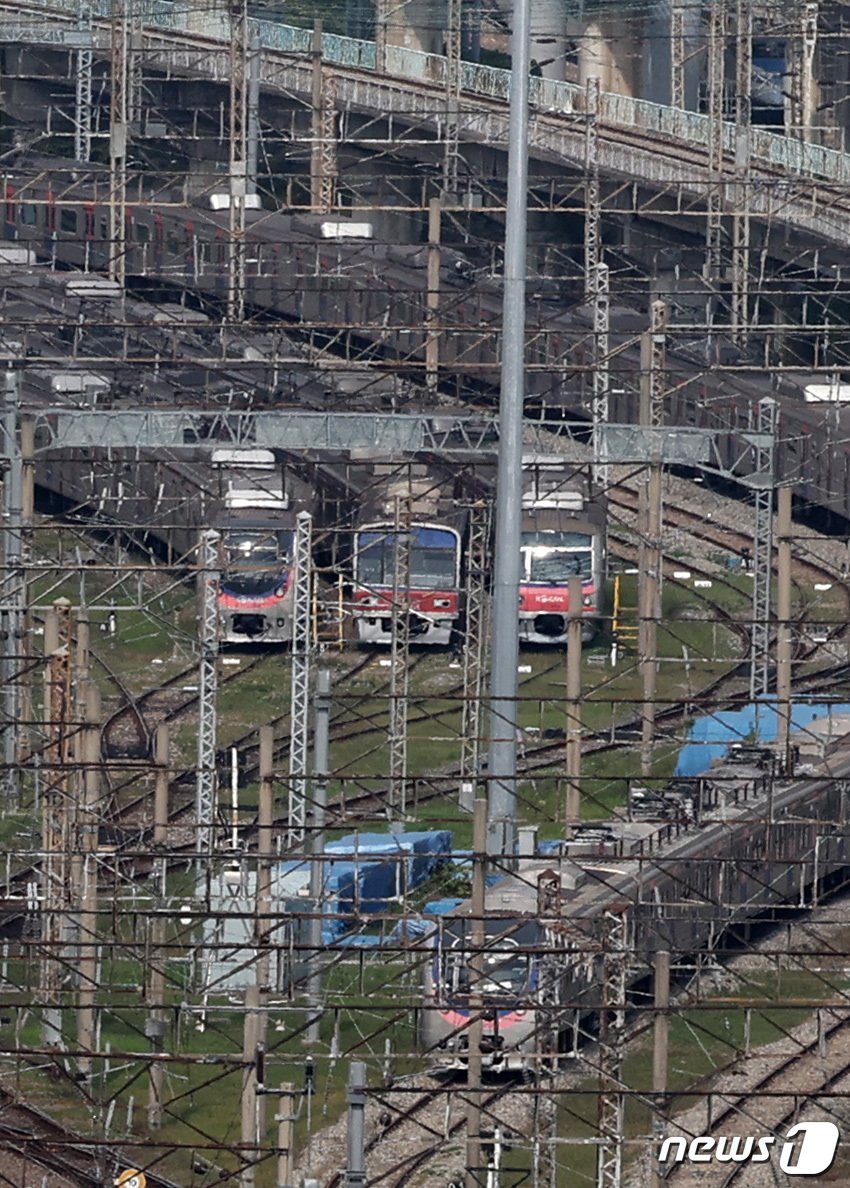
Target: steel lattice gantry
{"type": "Point", "coordinates": [762, 482]}
{"type": "Point", "coordinates": [299, 702]}
{"type": "Point", "coordinates": [206, 806]}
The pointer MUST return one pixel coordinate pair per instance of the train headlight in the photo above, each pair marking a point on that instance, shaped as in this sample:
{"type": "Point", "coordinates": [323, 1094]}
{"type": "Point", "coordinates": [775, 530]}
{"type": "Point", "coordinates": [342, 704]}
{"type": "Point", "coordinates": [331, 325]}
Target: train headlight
{"type": "Point", "coordinates": [442, 602]}
{"type": "Point", "coordinates": [587, 600]}
{"type": "Point", "coordinates": [280, 591]}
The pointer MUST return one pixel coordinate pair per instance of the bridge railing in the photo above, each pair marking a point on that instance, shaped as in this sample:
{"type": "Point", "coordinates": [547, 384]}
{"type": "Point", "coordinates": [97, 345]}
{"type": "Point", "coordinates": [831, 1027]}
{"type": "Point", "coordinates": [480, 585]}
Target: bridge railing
{"type": "Point", "coordinates": [545, 95]}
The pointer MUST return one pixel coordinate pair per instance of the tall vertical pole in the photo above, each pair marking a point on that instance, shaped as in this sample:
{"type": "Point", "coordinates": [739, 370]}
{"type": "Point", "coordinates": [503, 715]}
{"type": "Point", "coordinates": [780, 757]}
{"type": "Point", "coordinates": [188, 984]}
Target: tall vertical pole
{"type": "Point", "coordinates": [86, 846]}
{"type": "Point", "coordinates": [660, 1047]}
{"type": "Point", "coordinates": [83, 89]}
{"type": "Point", "coordinates": [453, 80]}
{"type": "Point", "coordinates": [285, 1119]}
{"type": "Point", "coordinates": [572, 746]}
{"type": "Point", "coordinates": [265, 857]}
{"type": "Point", "coordinates": [205, 788]}
{"type": "Point", "coordinates": [601, 297]}
{"type": "Point", "coordinates": [475, 966]}
{"type": "Point", "coordinates": [474, 649]}
{"type": "Point", "coordinates": [714, 204]}
{"type": "Point", "coordinates": [56, 814]}
{"type": "Point", "coordinates": [783, 623]}
{"type": "Point", "coordinates": [432, 343]}
{"type": "Point", "coordinates": [252, 147]}
{"type": "Point", "coordinates": [592, 200]}
{"type": "Point", "coordinates": [677, 54]}
{"type": "Point", "coordinates": [238, 160]}
{"type": "Point", "coordinates": [355, 1169]}
{"type": "Point", "coordinates": [381, 36]}
{"type": "Point", "coordinates": [321, 770]}
{"type": "Point", "coordinates": [12, 588]}
{"type": "Point", "coordinates": [399, 660]}
{"type": "Point", "coordinates": [299, 701]}
{"type": "Point", "coordinates": [808, 82]}
{"type": "Point", "coordinates": [741, 216]}
{"type": "Point", "coordinates": [653, 382]}
{"type": "Point", "coordinates": [118, 135]}
{"type": "Point", "coordinates": [156, 982]}
{"type": "Point", "coordinates": [761, 481]}
{"type": "Point", "coordinates": [612, 1017]}
{"type": "Point", "coordinates": [505, 634]}
{"type": "Point", "coordinates": [249, 1097]}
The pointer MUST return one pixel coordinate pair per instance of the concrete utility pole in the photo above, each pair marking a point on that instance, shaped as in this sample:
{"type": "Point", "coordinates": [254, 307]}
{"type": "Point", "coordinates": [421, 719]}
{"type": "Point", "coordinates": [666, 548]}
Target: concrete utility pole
{"type": "Point", "coordinates": [505, 635]}
{"type": "Point", "coordinates": [432, 343]}
{"type": "Point", "coordinates": [661, 1040]}
{"type": "Point", "coordinates": [155, 1023]}
{"type": "Point", "coordinates": [321, 770]}
{"type": "Point", "coordinates": [12, 587]}
{"type": "Point", "coordinates": [265, 858]}
{"type": "Point", "coordinates": [86, 882]}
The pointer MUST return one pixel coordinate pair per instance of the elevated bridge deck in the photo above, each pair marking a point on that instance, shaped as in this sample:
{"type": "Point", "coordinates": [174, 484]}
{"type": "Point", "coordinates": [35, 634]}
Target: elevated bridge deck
{"type": "Point", "coordinates": [664, 150]}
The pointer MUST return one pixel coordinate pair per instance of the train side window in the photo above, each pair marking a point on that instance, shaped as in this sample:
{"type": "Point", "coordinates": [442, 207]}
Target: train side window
{"type": "Point", "coordinates": [172, 244]}
{"type": "Point", "coordinates": [143, 232]}
{"type": "Point", "coordinates": [29, 214]}
{"type": "Point", "coordinates": [68, 220]}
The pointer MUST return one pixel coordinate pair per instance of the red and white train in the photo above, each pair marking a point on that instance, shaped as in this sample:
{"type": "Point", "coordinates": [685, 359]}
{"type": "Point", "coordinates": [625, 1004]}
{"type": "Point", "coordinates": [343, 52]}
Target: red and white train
{"type": "Point", "coordinates": [410, 553]}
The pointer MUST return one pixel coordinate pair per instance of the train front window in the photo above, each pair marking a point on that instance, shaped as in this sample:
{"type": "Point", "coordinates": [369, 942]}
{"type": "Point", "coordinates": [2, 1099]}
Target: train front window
{"type": "Point", "coordinates": [432, 558]}
{"type": "Point", "coordinates": [555, 557]}
{"type": "Point", "coordinates": [502, 972]}
{"type": "Point", "coordinates": [254, 560]}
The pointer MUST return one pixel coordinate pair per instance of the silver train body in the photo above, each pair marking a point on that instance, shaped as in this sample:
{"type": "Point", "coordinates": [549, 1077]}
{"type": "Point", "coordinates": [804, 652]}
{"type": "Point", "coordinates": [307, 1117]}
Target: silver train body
{"type": "Point", "coordinates": [727, 855]}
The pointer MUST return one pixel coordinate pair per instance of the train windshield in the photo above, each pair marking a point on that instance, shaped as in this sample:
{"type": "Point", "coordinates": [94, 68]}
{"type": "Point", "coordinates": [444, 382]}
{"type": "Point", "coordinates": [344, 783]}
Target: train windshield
{"type": "Point", "coordinates": [432, 561]}
{"type": "Point", "coordinates": [552, 557]}
{"type": "Point", "coordinates": [503, 972]}
{"type": "Point", "coordinates": [254, 560]}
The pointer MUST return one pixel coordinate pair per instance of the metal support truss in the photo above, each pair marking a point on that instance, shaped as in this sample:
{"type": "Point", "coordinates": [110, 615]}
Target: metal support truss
{"type": "Point", "coordinates": [134, 64]}
{"type": "Point", "coordinates": [601, 298]}
{"type": "Point", "coordinates": [741, 217]}
{"type": "Point", "coordinates": [399, 658]}
{"type": "Point", "coordinates": [657, 370]}
{"type": "Point", "coordinates": [476, 634]}
{"type": "Point", "coordinates": [592, 203]}
{"type": "Point", "coordinates": [612, 1021]}
{"type": "Point", "coordinates": [238, 168]}
{"type": "Point", "coordinates": [83, 86]}
{"type": "Point", "coordinates": [714, 203]}
{"type": "Point", "coordinates": [677, 55]}
{"type": "Point", "coordinates": [57, 802]}
{"type": "Point", "coordinates": [12, 590]}
{"type": "Point", "coordinates": [451, 156]}
{"type": "Point", "coordinates": [762, 481]}
{"type": "Point", "coordinates": [118, 135]}
{"type": "Point", "coordinates": [206, 806]}
{"type": "Point", "coordinates": [323, 162]}
{"type": "Point", "coordinates": [299, 698]}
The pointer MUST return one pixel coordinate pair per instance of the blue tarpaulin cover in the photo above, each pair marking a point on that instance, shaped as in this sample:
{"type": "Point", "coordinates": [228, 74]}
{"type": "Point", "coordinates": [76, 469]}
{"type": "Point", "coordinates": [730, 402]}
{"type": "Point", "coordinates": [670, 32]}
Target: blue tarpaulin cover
{"type": "Point", "coordinates": [710, 737]}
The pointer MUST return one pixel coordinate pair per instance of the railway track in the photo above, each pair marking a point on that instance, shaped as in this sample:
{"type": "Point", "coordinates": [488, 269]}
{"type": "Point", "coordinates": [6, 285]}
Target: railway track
{"type": "Point", "coordinates": [44, 1146]}
{"type": "Point", "coordinates": [773, 1101]}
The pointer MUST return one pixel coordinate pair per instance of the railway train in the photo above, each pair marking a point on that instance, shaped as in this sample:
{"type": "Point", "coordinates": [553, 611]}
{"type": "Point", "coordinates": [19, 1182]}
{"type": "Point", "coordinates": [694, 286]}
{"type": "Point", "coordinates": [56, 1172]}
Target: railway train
{"type": "Point", "coordinates": [736, 844]}
{"type": "Point", "coordinates": [562, 535]}
{"type": "Point", "coordinates": [374, 296]}
{"type": "Point", "coordinates": [408, 550]}
{"type": "Point", "coordinates": [256, 522]}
